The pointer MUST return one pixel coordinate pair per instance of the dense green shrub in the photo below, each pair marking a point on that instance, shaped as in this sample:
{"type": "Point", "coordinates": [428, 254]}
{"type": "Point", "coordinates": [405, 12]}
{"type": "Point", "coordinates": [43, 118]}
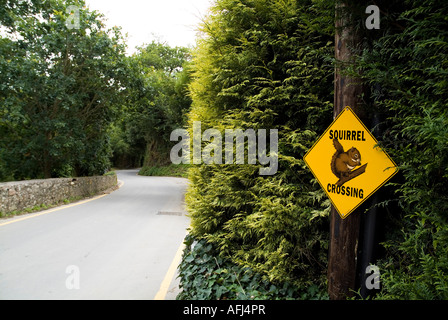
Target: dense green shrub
{"type": "Point", "coordinates": [205, 275]}
{"type": "Point", "coordinates": [156, 104]}
{"type": "Point", "coordinates": [265, 65]}
{"type": "Point", "coordinates": [406, 69]}
{"type": "Point", "coordinates": [171, 170]}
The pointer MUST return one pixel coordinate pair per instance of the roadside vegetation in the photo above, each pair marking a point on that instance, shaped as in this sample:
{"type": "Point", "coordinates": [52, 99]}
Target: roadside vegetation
{"type": "Point", "coordinates": [270, 64]}
{"type": "Point", "coordinates": [72, 103]}
{"type": "Point", "coordinates": [171, 170]}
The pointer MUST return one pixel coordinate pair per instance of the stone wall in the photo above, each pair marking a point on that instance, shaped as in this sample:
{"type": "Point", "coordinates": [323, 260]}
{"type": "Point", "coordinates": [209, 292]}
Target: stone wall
{"type": "Point", "coordinates": [21, 195]}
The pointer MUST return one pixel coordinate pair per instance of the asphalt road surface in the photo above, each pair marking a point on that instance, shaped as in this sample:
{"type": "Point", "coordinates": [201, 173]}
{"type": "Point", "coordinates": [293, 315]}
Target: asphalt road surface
{"type": "Point", "coordinates": [119, 246]}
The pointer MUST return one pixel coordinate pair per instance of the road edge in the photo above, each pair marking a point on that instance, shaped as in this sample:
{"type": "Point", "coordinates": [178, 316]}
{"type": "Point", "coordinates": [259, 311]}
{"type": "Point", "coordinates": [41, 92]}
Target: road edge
{"type": "Point", "coordinates": [22, 217]}
{"type": "Point", "coordinates": [165, 285]}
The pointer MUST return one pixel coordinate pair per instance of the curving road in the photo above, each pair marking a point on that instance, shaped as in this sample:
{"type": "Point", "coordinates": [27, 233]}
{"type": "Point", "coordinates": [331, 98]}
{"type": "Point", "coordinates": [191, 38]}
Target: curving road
{"type": "Point", "coordinates": [119, 246]}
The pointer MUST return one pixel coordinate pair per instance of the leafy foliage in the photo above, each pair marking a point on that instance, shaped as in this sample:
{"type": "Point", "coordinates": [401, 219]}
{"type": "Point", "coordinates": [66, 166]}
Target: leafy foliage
{"type": "Point", "coordinates": [171, 170]}
{"type": "Point", "coordinates": [267, 64]}
{"type": "Point", "coordinates": [207, 276]}
{"type": "Point", "coordinates": [406, 68]}
{"type": "Point", "coordinates": [156, 104]}
{"type": "Point", "coordinates": [60, 89]}
{"type": "Point", "coordinates": [71, 102]}
{"type": "Point", "coordinates": [264, 64]}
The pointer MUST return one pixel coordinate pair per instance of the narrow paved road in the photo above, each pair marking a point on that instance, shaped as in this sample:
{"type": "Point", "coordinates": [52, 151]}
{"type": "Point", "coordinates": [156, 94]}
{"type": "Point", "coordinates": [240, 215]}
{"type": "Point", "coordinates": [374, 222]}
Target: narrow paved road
{"type": "Point", "coordinates": [119, 246]}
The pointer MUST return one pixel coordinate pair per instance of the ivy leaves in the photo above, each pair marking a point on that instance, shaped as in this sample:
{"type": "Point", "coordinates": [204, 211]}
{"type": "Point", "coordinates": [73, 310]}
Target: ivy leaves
{"type": "Point", "coordinates": [205, 275]}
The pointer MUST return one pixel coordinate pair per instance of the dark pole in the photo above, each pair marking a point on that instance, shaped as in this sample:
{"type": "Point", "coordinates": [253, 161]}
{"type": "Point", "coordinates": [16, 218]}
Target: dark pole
{"type": "Point", "coordinates": [369, 221]}
{"type": "Point", "coordinates": [344, 233]}
{"type": "Point", "coordinates": [368, 243]}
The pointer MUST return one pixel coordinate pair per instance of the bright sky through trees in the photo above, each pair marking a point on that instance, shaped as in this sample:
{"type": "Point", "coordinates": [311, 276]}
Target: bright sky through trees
{"type": "Point", "coordinates": [172, 21]}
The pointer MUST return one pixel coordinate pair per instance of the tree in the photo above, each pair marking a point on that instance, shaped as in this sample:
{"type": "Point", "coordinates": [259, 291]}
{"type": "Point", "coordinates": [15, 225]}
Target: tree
{"type": "Point", "coordinates": [157, 103]}
{"type": "Point", "coordinates": [60, 90]}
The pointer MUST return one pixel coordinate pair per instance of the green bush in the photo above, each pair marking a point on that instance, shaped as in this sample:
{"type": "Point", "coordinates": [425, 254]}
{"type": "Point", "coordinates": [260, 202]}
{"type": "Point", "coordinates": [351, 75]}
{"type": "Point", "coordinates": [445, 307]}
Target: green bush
{"type": "Point", "coordinates": [265, 65]}
{"type": "Point", "coordinates": [205, 275]}
{"type": "Point", "coordinates": [268, 64]}
{"type": "Point", "coordinates": [171, 170]}
{"type": "Point", "coordinates": [407, 69]}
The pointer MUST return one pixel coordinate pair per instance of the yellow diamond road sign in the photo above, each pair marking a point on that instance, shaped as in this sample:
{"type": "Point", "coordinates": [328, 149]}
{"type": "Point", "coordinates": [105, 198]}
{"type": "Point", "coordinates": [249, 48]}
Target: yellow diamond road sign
{"type": "Point", "coordinates": [348, 163]}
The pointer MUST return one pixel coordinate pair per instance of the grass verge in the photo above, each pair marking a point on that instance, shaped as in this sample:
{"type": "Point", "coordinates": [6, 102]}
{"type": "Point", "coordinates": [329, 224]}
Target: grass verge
{"type": "Point", "coordinates": [171, 170]}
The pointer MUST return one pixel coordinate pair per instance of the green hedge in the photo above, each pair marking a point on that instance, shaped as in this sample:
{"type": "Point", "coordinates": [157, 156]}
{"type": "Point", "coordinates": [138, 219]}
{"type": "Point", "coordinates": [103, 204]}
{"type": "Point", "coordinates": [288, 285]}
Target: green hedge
{"type": "Point", "coordinates": [205, 275]}
{"type": "Point", "coordinates": [171, 170]}
{"type": "Point", "coordinates": [269, 64]}
{"type": "Point", "coordinates": [265, 65]}
{"type": "Point", "coordinates": [407, 68]}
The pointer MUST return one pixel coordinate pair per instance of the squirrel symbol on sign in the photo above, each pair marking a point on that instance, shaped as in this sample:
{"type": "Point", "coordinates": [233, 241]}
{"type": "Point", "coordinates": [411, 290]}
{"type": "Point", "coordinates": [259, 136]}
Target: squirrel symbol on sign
{"type": "Point", "coordinates": [344, 162]}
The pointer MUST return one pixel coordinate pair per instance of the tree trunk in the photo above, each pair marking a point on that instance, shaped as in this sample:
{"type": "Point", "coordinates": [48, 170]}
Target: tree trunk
{"type": "Point", "coordinates": [46, 157]}
{"type": "Point", "coordinates": [344, 233]}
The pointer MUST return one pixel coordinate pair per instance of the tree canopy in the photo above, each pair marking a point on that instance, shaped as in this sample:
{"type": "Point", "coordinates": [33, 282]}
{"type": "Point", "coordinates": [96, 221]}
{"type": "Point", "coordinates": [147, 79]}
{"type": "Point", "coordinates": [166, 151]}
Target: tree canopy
{"type": "Point", "coordinates": [72, 103]}
{"type": "Point", "coordinates": [61, 88]}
